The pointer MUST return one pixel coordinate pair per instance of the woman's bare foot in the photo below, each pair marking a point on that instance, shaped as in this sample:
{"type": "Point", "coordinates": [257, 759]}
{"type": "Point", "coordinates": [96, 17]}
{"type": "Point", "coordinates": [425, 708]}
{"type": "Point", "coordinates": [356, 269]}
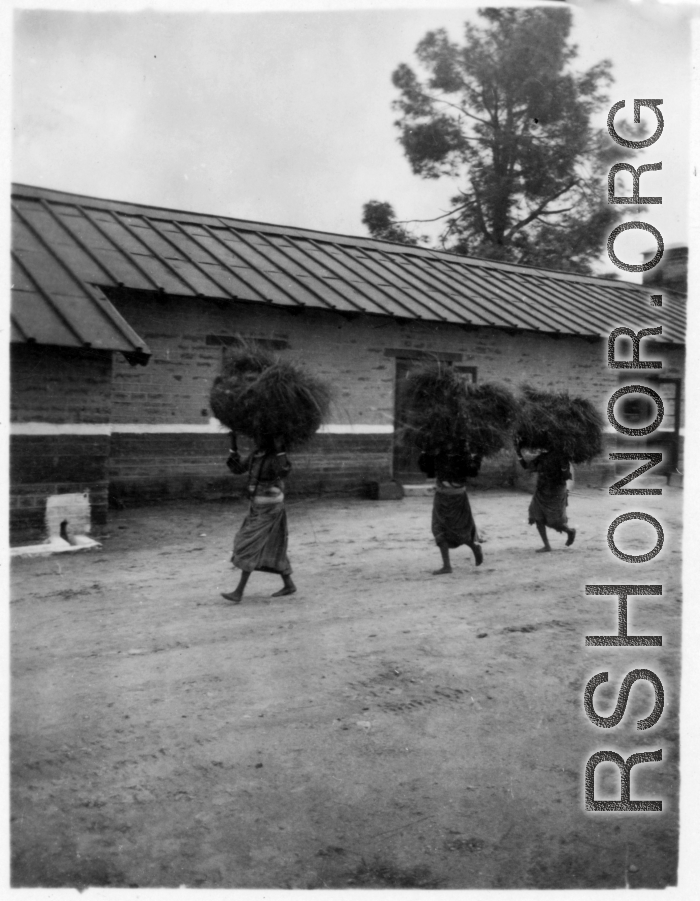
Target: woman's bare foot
{"type": "Point", "coordinates": [446, 562]}
{"type": "Point", "coordinates": [571, 536]}
{"type": "Point", "coordinates": [288, 588]}
{"type": "Point", "coordinates": [236, 595]}
{"type": "Point", "coordinates": [543, 550]}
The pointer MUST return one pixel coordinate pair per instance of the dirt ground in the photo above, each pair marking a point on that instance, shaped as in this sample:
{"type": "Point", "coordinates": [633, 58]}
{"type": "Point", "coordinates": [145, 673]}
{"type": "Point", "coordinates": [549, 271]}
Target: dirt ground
{"type": "Point", "coordinates": [381, 728]}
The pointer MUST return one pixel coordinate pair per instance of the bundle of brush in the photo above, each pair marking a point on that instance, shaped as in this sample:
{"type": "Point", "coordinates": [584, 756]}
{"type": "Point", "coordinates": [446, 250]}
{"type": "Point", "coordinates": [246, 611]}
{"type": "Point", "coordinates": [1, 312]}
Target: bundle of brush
{"type": "Point", "coordinates": [491, 411]}
{"type": "Point", "coordinates": [266, 398]}
{"type": "Point", "coordinates": [441, 410]}
{"type": "Point", "coordinates": [570, 426]}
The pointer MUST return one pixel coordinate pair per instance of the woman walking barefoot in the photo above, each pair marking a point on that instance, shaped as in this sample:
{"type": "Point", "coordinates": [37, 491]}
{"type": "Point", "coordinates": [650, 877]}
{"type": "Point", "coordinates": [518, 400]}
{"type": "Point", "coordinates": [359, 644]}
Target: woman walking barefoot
{"type": "Point", "coordinates": [261, 542]}
{"type": "Point", "coordinates": [551, 497]}
{"type": "Point", "coordinates": [452, 520]}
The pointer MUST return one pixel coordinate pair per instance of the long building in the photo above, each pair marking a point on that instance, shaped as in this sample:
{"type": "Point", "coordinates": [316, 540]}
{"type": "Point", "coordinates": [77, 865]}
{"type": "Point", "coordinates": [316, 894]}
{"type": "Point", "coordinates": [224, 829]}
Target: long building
{"type": "Point", "coordinates": [122, 314]}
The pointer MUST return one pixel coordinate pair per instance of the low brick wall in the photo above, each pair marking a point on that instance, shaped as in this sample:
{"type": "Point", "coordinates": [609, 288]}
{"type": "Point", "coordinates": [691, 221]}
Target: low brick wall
{"type": "Point", "coordinates": [147, 468]}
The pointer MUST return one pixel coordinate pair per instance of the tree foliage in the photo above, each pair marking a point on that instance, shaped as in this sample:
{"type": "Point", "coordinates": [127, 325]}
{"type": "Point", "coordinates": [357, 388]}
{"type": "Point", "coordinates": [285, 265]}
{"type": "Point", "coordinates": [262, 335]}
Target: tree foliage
{"type": "Point", "coordinates": [508, 120]}
{"type": "Point", "coordinates": [380, 220]}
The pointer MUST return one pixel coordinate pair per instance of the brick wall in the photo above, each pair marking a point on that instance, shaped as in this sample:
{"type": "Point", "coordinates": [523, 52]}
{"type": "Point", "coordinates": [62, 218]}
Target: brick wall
{"type": "Point", "coordinates": [60, 384]}
{"type": "Point", "coordinates": [57, 386]}
{"type": "Point", "coordinates": [351, 353]}
{"type": "Point", "coordinates": [357, 354]}
{"type": "Point", "coordinates": [148, 468]}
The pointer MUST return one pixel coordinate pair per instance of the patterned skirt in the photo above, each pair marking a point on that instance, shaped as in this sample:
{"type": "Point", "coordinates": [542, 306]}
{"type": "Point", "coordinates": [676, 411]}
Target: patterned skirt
{"type": "Point", "coordinates": [261, 542]}
{"type": "Point", "coordinates": [453, 523]}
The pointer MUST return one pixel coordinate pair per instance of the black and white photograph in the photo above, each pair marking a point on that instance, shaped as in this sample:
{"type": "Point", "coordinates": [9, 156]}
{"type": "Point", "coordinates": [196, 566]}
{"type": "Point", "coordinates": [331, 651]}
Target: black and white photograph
{"type": "Point", "coordinates": [350, 429]}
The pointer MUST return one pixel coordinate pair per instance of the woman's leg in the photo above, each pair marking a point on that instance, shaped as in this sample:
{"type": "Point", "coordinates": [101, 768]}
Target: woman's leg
{"type": "Point", "coordinates": [543, 535]}
{"type": "Point", "coordinates": [446, 565]}
{"type": "Point", "coordinates": [478, 553]}
{"type": "Point", "coordinates": [236, 595]}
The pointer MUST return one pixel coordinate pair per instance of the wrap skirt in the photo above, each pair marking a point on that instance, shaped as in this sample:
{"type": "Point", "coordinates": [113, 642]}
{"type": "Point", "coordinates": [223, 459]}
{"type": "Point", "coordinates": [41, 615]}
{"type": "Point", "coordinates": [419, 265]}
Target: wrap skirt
{"type": "Point", "coordinates": [261, 542]}
{"type": "Point", "coordinates": [453, 523]}
{"type": "Point", "coordinates": [548, 507]}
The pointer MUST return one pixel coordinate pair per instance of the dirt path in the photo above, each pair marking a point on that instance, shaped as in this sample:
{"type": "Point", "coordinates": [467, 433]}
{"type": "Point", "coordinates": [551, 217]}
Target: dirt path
{"type": "Point", "coordinates": [383, 727]}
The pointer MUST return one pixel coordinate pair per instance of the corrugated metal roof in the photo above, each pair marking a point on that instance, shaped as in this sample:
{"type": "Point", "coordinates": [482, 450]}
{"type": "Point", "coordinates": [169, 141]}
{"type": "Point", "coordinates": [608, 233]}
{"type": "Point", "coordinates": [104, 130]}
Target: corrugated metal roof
{"type": "Point", "coordinates": [56, 299]}
{"type": "Point", "coordinates": [66, 246]}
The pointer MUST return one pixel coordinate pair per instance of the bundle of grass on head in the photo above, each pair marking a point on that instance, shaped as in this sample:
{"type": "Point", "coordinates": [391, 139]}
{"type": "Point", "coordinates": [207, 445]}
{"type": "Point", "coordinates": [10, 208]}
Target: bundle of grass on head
{"type": "Point", "coordinates": [266, 398]}
{"type": "Point", "coordinates": [444, 412]}
{"type": "Point", "coordinates": [570, 426]}
{"type": "Point", "coordinates": [491, 412]}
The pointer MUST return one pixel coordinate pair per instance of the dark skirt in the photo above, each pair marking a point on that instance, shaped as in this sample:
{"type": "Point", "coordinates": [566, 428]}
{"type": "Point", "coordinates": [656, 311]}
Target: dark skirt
{"type": "Point", "coordinates": [548, 507]}
{"type": "Point", "coordinates": [453, 523]}
{"type": "Point", "coordinates": [261, 542]}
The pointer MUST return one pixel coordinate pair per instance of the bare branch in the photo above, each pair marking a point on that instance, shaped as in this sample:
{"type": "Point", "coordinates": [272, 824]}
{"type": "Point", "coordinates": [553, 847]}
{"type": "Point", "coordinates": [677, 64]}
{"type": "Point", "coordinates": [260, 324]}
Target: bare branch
{"type": "Point", "coordinates": [565, 209]}
{"type": "Point", "coordinates": [444, 215]}
{"type": "Point", "coordinates": [461, 109]}
{"type": "Point", "coordinates": [538, 211]}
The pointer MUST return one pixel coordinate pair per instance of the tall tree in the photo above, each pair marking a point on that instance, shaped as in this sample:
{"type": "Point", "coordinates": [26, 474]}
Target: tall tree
{"type": "Point", "coordinates": [506, 117]}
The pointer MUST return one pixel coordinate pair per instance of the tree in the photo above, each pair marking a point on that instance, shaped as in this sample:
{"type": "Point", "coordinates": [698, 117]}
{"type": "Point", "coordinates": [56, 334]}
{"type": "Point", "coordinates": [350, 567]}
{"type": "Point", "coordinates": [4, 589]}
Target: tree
{"type": "Point", "coordinates": [508, 120]}
{"type": "Point", "coordinates": [380, 220]}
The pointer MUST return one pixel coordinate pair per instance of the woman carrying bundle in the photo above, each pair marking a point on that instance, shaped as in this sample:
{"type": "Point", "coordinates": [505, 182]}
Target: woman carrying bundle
{"type": "Point", "coordinates": [550, 500]}
{"type": "Point", "coordinates": [261, 542]}
{"type": "Point", "coordinates": [565, 430]}
{"type": "Point", "coordinates": [278, 405]}
{"type": "Point", "coordinates": [455, 425]}
{"type": "Point", "coordinates": [452, 522]}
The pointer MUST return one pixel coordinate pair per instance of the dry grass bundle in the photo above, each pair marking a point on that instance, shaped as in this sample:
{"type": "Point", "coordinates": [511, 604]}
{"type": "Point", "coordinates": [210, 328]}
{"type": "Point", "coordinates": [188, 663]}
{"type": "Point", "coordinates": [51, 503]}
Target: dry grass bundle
{"type": "Point", "coordinates": [442, 411]}
{"type": "Point", "coordinates": [570, 426]}
{"type": "Point", "coordinates": [432, 395]}
{"type": "Point", "coordinates": [491, 414]}
{"type": "Point", "coordinates": [263, 397]}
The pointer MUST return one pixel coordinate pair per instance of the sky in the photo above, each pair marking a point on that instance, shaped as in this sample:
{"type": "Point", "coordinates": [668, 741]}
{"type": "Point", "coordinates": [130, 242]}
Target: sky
{"type": "Point", "coordinates": [286, 117]}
